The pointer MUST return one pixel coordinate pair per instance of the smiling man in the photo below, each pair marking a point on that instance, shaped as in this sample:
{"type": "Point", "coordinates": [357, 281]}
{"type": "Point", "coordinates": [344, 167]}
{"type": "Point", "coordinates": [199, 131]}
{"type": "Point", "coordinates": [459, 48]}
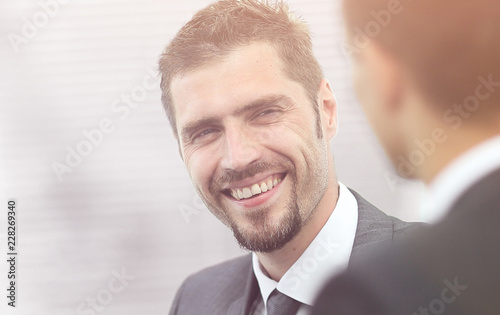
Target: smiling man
{"type": "Point", "coordinates": [253, 116]}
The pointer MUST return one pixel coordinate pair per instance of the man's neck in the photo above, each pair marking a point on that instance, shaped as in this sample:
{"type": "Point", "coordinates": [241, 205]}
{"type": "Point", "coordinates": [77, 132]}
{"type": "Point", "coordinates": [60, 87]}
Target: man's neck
{"type": "Point", "coordinates": [277, 263]}
{"type": "Point", "coordinates": [457, 143]}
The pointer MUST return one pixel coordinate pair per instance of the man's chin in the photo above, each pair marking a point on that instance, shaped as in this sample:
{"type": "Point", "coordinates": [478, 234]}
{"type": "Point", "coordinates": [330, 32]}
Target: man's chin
{"type": "Point", "coordinates": [267, 239]}
{"type": "Point", "coordinates": [263, 244]}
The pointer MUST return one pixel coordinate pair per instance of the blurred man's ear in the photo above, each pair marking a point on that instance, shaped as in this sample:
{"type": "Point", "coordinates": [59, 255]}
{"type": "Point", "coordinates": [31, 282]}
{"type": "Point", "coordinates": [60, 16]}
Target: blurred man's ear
{"type": "Point", "coordinates": [385, 73]}
{"type": "Point", "coordinates": [328, 109]}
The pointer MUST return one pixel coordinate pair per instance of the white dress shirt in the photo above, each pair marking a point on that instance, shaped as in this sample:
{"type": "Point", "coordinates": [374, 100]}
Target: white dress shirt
{"type": "Point", "coordinates": [328, 254]}
{"type": "Point", "coordinates": [458, 176]}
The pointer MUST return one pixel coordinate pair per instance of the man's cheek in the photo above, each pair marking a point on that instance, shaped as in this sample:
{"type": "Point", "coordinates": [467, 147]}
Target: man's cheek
{"type": "Point", "coordinates": [199, 177]}
{"type": "Point", "coordinates": [268, 134]}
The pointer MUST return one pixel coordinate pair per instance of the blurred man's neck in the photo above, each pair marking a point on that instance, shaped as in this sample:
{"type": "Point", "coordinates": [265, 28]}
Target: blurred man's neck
{"type": "Point", "coordinates": [456, 143]}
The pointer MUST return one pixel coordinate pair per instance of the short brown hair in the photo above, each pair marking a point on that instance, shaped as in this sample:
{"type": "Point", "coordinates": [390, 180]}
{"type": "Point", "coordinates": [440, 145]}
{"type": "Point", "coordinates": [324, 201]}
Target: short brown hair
{"type": "Point", "coordinates": [445, 45]}
{"type": "Point", "coordinates": [223, 26]}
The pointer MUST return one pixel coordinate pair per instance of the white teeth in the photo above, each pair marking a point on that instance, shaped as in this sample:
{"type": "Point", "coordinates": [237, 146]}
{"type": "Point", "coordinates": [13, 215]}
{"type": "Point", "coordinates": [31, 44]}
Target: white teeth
{"type": "Point", "coordinates": [247, 193]}
{"type": "Point", "coordinates": [234, 194]}
{"type": "Point", "coordinates": [269, 184]}
{"type": "Point", "coordinates": [263, 187]}
{"type": "Point", "coordinates": [256, 189]}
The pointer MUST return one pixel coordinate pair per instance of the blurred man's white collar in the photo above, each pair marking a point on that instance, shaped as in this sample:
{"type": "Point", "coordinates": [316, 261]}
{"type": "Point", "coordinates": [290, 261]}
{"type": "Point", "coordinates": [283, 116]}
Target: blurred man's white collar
{"type": "Point", "coordinates": [458, 176]}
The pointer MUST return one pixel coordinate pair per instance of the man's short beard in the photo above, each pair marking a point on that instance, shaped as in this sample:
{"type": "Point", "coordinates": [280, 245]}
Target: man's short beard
{"type": "Point", "coordinates": [264, 236]}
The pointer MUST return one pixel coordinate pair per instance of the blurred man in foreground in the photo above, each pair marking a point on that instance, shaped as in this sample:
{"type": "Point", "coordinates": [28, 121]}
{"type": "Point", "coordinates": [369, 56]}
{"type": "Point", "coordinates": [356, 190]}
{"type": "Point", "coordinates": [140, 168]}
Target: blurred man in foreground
{"type": "Point", "coordinates": [253, 116]}
{"type": "Point", "coordinates": [427, 73]}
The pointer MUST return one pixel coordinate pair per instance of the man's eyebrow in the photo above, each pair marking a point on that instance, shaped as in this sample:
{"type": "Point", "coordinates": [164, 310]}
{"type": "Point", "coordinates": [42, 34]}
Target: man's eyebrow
{"type": "Point", "coordinates": [193, 126]}
{"type": "Point", "coordinates": [263, 102]}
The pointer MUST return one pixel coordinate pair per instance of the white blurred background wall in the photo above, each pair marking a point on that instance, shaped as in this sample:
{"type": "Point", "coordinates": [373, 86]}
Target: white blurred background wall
{"type": "Point", "coordinates": [128, 207]}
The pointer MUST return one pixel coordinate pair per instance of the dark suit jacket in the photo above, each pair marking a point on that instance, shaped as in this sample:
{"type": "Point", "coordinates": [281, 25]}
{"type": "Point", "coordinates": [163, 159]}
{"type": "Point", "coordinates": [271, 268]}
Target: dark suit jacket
{"type": "Point", "coordinates": [231, 287]}
{"type": "Point", "coordinates": [452, 267]}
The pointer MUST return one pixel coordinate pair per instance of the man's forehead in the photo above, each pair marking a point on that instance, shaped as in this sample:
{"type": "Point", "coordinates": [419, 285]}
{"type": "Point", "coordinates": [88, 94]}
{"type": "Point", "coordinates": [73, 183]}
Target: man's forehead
{"type": "Point", "coordinates": [260, 52]}
{"type": "Point", "coordinates": [222, 80]}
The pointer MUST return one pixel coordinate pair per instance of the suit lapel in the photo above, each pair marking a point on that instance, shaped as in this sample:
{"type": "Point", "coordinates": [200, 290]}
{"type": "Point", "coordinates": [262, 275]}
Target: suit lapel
{"type": "Point", "coordinates": [243, 305]}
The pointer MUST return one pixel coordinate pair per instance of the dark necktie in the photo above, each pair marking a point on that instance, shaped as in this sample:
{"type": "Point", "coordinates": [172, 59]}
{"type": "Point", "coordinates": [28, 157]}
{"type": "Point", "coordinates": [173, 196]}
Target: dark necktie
{"type": "Point", "coordinates": [280, 304]}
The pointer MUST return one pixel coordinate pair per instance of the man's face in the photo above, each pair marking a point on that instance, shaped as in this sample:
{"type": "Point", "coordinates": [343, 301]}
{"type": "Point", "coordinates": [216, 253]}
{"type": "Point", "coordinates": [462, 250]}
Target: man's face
{"type": "Point", "coordinates": [248, 137]}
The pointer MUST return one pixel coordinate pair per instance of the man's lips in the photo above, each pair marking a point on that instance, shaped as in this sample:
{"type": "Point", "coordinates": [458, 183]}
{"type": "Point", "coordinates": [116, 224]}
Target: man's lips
{"type": "Point", "coordinates": [254, 188]}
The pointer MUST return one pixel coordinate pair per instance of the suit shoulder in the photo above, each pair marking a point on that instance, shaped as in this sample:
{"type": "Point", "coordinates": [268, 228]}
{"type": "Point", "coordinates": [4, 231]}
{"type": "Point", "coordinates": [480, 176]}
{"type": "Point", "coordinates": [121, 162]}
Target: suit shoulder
{"type": "Point", "coordinates": [227, 271]}
{"type": "Point", "coordinates": [213, 289]}
{"type": "Point", "coordinates": [377, 228]}
{"type": "Point", "coordinates": [370, 214]}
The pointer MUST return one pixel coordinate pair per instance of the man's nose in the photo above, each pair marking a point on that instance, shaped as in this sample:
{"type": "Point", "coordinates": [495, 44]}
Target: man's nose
{"type": "Point", "coordinates": [241, 149]}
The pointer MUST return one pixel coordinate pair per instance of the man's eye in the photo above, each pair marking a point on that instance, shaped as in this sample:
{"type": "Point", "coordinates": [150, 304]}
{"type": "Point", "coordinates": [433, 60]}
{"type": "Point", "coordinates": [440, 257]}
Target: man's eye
{"type": "Point", "coordinates": [267, 116]}
{"type": "Point", "coordinates": [204, 133]}
{"type": "Point", "coordinates": [267, 112]}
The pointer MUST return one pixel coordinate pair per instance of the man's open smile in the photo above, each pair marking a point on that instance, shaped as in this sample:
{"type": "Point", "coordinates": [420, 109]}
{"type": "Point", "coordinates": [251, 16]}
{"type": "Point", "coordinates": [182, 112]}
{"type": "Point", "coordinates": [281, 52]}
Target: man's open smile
{"type": "Point", "coordinates": [254, 191]}
{"type": "Point", "coordinates": [257, 188]}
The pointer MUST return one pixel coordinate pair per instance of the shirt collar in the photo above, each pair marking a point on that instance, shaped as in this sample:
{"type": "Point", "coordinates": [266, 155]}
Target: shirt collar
{"type": "Point", "coordinates": [327, 254]}
{"type": "Point", "coordinates": [458, 176]}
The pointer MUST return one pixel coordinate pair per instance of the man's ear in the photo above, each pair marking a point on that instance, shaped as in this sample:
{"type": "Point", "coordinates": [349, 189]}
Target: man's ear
{"type": "Point", "coordinates": [385, 73]}
{"type": "Point", "coordinates": [328, 109]}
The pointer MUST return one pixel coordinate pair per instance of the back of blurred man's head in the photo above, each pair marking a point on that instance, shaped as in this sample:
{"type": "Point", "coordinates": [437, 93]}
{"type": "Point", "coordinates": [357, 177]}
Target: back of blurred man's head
{"type": "Point", "coordinates": [427, 74]}
{"type": "Point", "coordinates": [445, 44]}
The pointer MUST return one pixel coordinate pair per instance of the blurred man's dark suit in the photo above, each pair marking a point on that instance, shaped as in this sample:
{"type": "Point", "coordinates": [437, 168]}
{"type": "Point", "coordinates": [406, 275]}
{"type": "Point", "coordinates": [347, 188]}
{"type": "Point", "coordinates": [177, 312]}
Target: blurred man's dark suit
{"type": "Point", "coordinates": [452, 267]}
{"type": "Point", "coordinates": [230, 288]}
